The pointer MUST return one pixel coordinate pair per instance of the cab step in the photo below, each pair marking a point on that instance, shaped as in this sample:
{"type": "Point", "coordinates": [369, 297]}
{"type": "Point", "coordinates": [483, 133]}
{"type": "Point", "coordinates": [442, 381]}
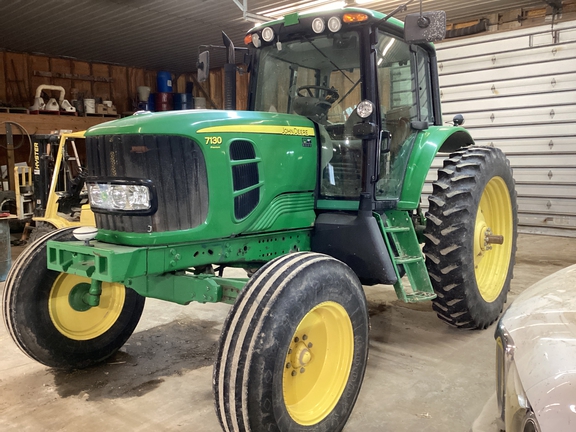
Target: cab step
{"type": "Point", "coordinates": [402, 243]}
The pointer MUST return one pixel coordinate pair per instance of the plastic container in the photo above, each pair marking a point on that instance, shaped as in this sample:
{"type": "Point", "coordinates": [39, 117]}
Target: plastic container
{"type": "Point", "coordinates": [5, 253]}
{"type": "Point", "coordinates": [182, 101]}
{"type": "Point", "coordinates": [90, 106]}
{"type": "Point", "coordinates": [143, 93]}
{"type": "Point", "coordinates": [152, 102]}
{"type": "Point", "coordinates": [164, 82]}
{"type": "Point", "coordinates": [199, 103]}
{"type": "Point", "coordinates": [163, 101]}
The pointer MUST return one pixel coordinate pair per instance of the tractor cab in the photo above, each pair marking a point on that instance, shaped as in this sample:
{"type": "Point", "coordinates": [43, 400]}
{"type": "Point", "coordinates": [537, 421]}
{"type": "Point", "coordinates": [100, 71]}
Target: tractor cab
{"type": "Point", "coordinates": [366, 89]}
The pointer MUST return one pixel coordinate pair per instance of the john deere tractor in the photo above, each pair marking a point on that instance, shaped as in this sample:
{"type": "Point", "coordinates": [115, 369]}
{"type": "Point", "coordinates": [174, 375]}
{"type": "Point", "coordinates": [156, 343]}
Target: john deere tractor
{"type": "Point", "coordinates": [315, 190]}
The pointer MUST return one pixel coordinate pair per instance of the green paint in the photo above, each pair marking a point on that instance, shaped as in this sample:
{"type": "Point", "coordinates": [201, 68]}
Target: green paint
{"type": "Point", "coordinates": [398, 230]}
{"type": "Point", "coordinates": [286, 211]}
{"type": "Point", "coordinates": [115, 263]}
{"type": "Point", "coordinates": [77, 297]}
{"type": "Point", "coordinates": [291, 19]}
{"type": "Point", "coordinates": [337, 205]}
{"type": "Point", "coordinates": [278, 157]}
{"type": "Point", "coordinates": [104, 262]}
{"type": "Point", "coordinates": [425, 147]}
{"type": "Point", "coordinates": [183, 288]}
{"type": "Point", "coordinates": [93, 296]}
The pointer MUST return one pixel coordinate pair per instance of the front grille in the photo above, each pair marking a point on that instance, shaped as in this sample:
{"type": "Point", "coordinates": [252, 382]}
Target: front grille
{"type": "Point", "coordinates": [174, 164]}
{"type": "Point", "coordinates": [244, 176]}
{"type": "Point", "coordinates": [242, 150]}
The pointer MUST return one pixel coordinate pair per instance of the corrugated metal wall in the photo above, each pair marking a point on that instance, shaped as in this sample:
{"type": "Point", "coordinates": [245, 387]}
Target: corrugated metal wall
{"type": "Point", "coordinates": [517, 91]}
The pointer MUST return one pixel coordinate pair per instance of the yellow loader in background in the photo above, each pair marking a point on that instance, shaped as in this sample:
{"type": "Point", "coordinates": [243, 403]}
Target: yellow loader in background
{"type": "Point", "coordinates": [64, 204]}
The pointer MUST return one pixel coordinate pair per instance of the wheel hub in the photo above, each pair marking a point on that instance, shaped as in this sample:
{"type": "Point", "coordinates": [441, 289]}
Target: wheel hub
{"type": "Point", "coordinates": [318, 362]}
{"type": "Point", "coordinates": [73, 315]}
{"type": "Point", "coordinates": [494, 226]}
{"type": "Point", "coordinates": [300, 354]}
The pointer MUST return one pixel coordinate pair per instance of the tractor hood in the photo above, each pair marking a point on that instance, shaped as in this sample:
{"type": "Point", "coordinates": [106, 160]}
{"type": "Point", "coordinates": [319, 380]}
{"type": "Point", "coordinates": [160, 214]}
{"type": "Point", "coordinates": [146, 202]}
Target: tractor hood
{"type": "Point", "coordinates": [193, 122]}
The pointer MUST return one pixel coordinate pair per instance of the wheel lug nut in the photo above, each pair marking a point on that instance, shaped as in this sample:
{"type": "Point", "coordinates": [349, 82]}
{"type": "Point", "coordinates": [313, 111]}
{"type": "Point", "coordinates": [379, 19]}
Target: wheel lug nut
{"type": "Point", "coordinates": [304, 337]}
{"type": "Point", "coordinates": [288, 365]}
{"type": "Point", "coordinates": [296, 339]}
{"type": "Point", "coordinates": [302, 370]}
{"type": "Point", "coordinates": [310, 345]}
{"type": "Point", "coordinates": [294, 373]}
{"type": "Point", "coordinates": [290, 351]}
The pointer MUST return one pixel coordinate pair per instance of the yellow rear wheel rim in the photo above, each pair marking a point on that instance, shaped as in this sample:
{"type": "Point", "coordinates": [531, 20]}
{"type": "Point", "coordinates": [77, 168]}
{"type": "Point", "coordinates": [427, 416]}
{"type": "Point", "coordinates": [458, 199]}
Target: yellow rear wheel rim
{"type": "Point", "coordinates": [318, 363]}
{"type": "Point", "coordinates": [90, 323]}
{"type": "Point", "coordinates": [494, 217]}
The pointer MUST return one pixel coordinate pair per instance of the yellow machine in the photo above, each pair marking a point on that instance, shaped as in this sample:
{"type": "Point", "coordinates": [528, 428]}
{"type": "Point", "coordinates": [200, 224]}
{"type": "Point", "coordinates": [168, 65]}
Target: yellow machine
{"type": "Point", "coordinates": [56, 161]}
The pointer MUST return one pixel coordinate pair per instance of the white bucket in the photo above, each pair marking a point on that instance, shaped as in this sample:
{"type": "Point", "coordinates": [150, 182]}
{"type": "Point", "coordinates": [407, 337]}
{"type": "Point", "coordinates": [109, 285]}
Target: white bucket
{"type": "Point", "coordinates": [90, 106]}
{"type": "Point", "coordinates": [199, 103]}
{"type": "Point", "coordinates": [143, 93]}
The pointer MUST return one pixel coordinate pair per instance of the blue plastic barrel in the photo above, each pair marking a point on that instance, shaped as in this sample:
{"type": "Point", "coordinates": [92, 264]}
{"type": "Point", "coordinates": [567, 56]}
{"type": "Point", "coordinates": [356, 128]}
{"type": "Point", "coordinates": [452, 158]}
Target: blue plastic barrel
{"type": "Point", "coordinates": [5, 254]}
{"type": "Point", "coordinates": [164, 82]}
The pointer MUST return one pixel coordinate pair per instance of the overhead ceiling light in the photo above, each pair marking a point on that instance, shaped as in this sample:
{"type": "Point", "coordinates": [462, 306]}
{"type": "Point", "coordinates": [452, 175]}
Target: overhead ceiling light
{"type": "Point", "coordinates": [305, 6]}
{"type": "Point", "coordinates": [387, 47]}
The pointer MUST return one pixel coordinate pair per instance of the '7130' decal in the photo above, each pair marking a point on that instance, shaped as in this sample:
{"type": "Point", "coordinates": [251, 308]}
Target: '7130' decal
{"type": "Point", "coordinates": [213, 140]}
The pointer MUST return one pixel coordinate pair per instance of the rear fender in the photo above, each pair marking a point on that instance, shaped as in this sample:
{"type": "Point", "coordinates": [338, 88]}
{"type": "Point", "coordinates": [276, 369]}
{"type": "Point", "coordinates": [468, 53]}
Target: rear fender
{"type": "Point", "coordinates": [428, 143]}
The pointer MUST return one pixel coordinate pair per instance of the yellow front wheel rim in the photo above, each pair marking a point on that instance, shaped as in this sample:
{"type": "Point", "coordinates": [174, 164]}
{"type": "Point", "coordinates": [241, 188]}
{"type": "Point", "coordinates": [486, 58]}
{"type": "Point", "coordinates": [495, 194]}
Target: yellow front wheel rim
{"type": "Point", "coordinates": [493, 220]}
{"type": "Point", "coordinates": [84, 324]}
{"type": "Point", "coordinates": [318, 363]}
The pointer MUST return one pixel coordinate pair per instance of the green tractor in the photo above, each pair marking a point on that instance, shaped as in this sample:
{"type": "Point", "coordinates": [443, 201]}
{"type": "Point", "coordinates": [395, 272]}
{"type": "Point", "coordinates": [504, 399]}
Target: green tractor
{"type": "Point", "coordinates": [315, 191]}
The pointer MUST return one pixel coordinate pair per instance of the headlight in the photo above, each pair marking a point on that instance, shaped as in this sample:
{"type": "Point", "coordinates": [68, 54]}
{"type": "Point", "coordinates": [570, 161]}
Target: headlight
{"type": "Point", "coordinates": [504, 358]}
{"type": "Point", "coordinates": [268, 34]}
{"type": "Point", "coordinates": [256, 40]}
{"type": "Point", "coordinates": [119, 196]}
{"type": "Point", "coordinates": [516, 414]}
{"type": "Point", "coordinates": [334, 24]}
{"type": "Point", "coordinates": [365, 109]}
{"type": "Point", "coordinates": [318, 25]}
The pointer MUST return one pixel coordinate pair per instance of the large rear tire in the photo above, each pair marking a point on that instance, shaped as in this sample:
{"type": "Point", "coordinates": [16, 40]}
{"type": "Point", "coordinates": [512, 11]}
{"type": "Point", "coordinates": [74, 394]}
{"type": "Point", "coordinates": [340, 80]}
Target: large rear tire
{"type": "Point", "coordinates": [472, 210]}
{"type": "Point", "coordinates": [294, 347]}
{"type": "Point", "coordinates": [46, 317]}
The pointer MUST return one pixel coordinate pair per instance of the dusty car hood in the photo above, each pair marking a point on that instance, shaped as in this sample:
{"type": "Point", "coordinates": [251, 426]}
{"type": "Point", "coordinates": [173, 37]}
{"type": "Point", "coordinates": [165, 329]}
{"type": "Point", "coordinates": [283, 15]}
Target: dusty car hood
{"type": "Point", "coordinates": [542, 324]}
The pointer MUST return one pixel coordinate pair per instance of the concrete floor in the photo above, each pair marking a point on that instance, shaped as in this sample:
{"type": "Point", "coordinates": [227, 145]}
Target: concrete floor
{"type": "Point", "coordinates": [422, 375]}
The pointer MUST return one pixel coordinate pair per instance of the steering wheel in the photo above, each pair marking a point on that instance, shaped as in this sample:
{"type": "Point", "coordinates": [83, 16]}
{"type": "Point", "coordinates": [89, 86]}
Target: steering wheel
{"type": "Point", "coordinates": [331, 93]}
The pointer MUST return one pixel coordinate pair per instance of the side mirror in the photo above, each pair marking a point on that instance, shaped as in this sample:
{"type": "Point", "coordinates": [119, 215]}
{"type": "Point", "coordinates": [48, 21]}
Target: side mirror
{"type": "Point", "coordinates": [458, 120]}
{"type": "Point", "coordinates": [203, 66]}
{"type": "Point", "coordinates": [426, 27]}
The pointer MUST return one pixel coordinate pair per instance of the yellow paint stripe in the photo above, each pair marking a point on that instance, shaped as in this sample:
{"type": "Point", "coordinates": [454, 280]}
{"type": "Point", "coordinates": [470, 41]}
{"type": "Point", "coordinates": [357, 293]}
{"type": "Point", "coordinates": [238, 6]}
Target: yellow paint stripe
{"type": "Point", "coordinates": [262, 129]}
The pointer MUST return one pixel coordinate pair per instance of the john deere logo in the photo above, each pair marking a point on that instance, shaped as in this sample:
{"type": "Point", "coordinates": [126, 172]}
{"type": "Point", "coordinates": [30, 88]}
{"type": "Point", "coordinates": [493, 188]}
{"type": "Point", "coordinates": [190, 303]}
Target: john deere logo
{"type": "Point", "coordinates": [294, 131]}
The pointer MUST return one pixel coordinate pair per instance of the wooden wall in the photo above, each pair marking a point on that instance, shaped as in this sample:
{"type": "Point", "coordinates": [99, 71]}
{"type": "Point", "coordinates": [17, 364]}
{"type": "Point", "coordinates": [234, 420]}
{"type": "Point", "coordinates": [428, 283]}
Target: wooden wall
{"type": "Point", "coordinates": [214, 88]}
{"type": "Point", "coordinates": [21, 74]}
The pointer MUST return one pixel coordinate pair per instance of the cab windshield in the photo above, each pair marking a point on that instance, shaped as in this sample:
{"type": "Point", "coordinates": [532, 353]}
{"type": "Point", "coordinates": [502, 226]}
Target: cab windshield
{"type": "Point", "coordinates": [319, 77]}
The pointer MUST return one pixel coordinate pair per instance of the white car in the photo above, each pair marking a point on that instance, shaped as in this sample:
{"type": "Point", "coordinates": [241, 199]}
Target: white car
{"type": "Point", "coordinates": [536, 357]}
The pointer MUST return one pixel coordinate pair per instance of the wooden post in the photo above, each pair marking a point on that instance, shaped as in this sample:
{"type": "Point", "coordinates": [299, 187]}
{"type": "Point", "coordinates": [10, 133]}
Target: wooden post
{"type": "Point", "coordinates": [10, 157]}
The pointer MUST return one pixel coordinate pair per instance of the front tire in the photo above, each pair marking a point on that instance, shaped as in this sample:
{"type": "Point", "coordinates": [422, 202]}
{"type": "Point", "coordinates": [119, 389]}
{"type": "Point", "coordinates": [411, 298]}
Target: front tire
{"type": "Point", "coordinates": [470, 236]}
{"type": "Point", "coordinates": [46, 317]}
{"type": "Point", "coordinates": [294, 347]}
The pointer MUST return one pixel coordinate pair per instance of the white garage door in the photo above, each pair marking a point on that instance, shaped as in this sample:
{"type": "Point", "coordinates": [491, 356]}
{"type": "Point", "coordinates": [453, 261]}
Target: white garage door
{"type": "Point", "coordinates": [517, 91]}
